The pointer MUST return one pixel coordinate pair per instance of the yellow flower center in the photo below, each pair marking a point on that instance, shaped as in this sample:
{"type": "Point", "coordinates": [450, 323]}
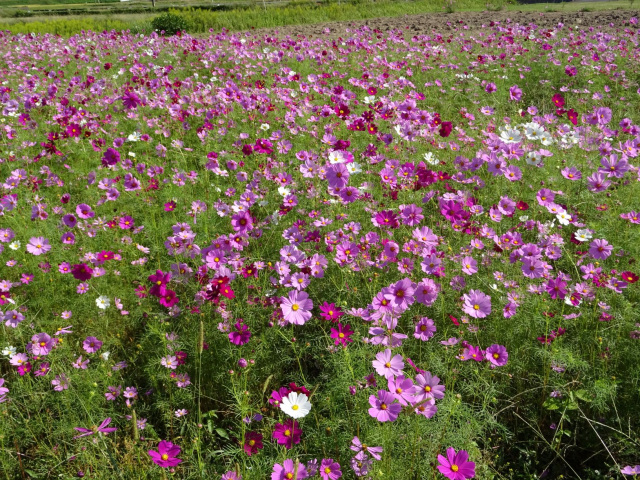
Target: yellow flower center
{"type": "Point", "coordinates": [341, 335]}
{"type": "Point", "coordinates": [388, 365]}
{"type": "Point", "coordinates": [496, 356]}
{"type": "Point", "coordinates": [295, 307]}
{"type": "Point", "coordinates": [295, 407]}
{"type": "Point", "coordinates": [252, 443]}
{"type": "Point", "coordinates": [287, 433]}
{"type": "Point", "coordinates": [427, 388]}
{"type": "Point", "coordinates": [327, 470]}
{"type": "Point", "coordinates": [164, 457]}
{"type": "Point", "coordinates": [476, 307]}
{"type": "Point", "coordinates": [383, 406]}
{"type": "Point", "coordinates": [454, 468]}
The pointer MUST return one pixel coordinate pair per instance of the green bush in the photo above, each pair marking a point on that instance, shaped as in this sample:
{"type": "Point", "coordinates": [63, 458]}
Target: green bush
{"type": "Point", "coordinates": [169, 23]}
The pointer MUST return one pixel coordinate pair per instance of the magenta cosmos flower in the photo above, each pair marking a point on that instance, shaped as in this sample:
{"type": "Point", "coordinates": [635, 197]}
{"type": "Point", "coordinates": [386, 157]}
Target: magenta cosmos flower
{"type": "Point", "coordinates": [342, 335]}
{"type": "Point", "coordinates": [329, 470]}
{"type": "Point", "coordinates": [287, 433]}
{"type": "Point", "coordinates": [384, 408]}
{"type": "Point", "coordinates": [477, 304]}
{"type": "Point", "coordinates": [166, 454]}
{"type": "Point", "coordinates": [386, 366]}
{"type": "Point", "coordinates": [296, 308]}
{"type": "Point", "coordinates": [455, 466]}
{"type": "Point", "coordinates": [497, 355]}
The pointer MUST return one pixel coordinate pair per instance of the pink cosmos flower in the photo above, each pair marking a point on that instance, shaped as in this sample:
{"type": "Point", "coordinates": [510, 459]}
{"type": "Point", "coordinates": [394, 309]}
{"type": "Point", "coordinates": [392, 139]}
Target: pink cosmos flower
{"type": "Point", "coordinates": [427, 386]}
{"type": "Point", "coordinates": [38, 245]}
{"type": "Point", "coordinates": [600, 249]}
{"type": "Point", "coordinates": [425, 329]}
{"type": "Point", "coordinates": [384, 408]}
{"type": "Point", "coordinates": [41, 344]}
{"type": "Point", "coordinates": [402, 388]}
{"type": "Point", "coordinates": [287, 469]}
{"type": "Point", "coordinates": [358, 447]}
{"type": "Point", "coordinates": [296, 308]}
{"type": "Point", "coordinates": [469, 265]}
{"type": "Point", "coordinates": [477, 304]}
{"type": "Point", "coordinates": [329, 470]}
{"type": "Point", "coordinates": [386, 366]}
{"type": "Point", "coordinates": [166, 454]}
{"type": "Point", "coordinates": [102, 428]}
{"type": "Point", "coordinates": [91, 345]}
{"type": "Point", "coordinates": [497, 355]}
{"type": "Point", "coordinates": [455, 466]}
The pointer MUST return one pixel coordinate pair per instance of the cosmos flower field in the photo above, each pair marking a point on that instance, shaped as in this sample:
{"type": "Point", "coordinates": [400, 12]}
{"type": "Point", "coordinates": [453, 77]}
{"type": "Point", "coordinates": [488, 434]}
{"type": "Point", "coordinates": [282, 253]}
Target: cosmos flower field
{"type": "Point", "coordinates": [365, 254]}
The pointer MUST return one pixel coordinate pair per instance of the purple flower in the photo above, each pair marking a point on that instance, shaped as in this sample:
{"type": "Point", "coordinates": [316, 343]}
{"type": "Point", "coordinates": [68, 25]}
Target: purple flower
{"type": "Point", "coordinates": [427, 386]}
{"type": "Point", "coordinates": [425, 329]}
{"type": "Point", "coordinates": [384, 408]}
{"type": "Point", "coordinates": [387, 366]}
{"type": "Point", "coordinates": [515, 93]}
{"type": "Point", "coordinates": [600, 249]}
{"type": "Point", "coordinates": [456, 466]}
{"type": "Point", "coordinates": [477, 304]}
{"type": "Point", "coordinates": [166, 454]}
{"type": "Point", "coordinates": [41, 344]}
{"type": "Point", "coordinates": [102, 428]}
{"type": "Point", "coordinates": [359, 447]}
{"type": "Point", "coordinates": [131, 101]}
{"type": "Point", "coordinates": [385, 219]}
{"type": "Point", "coordinates": [84, 211]}
{"type": "Point", "coordinates": [557, 288]}
{"type": "Point", "coordinates": [469, 265]}
{"type": "Point", "coordinates": [401, 294]}
{"type": "Point", "coordinates": [629, 470]}
{"type": "Point", "coordinates": [286, 471]}
{"type": "Point", "coordinates": [497, 355]}
{"type": "Point", "coordinates": [38, 245]}
{"type": "Point", "coordinates": [296, 308]}
{"type": "Point", "coordinates": [329, 470]}
{"type": "Point", "coordinates": [402, 388]}
{"type": "Point", "coordinates": [91, 345]}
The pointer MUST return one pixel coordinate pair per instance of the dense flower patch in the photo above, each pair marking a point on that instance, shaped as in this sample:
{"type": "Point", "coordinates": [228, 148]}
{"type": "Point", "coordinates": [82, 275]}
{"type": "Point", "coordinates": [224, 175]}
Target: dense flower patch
{"type": "Point", "coordinates": [245, 256]}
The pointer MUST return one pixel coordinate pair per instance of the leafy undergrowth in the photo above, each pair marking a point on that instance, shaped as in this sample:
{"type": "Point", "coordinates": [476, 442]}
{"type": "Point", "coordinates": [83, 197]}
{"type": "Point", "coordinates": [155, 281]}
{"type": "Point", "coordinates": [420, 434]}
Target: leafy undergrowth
{"type": "Point", "coordinates": [427, 245]}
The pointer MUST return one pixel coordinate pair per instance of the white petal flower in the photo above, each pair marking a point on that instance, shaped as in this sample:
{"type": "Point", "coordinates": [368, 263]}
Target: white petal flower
{"type": "Point", "coordinates": [296, 405]}
{"type": "Point", "coordinates": [103, 302]}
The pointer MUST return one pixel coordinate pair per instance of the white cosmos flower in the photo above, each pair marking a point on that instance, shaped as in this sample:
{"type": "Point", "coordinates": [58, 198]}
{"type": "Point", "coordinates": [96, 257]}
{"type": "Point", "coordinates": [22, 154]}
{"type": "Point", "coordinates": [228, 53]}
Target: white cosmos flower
{"type": "Point", "coordinates": [9, 351]}
{"type": "Point", "coordinates": [335, 156]}
{"type": "Point", "coordinates": [265, 127]}
{"type": "Point", "coordinates": [354, 167]}
{"type": "Point", "coordinates": [430, 159]}
{"type": "Point", "coordinates": [284, 191]}
{"type": "Point", "coordinates": [103, 302]}
{"type": "Point", "coordinates": [564, 218]}
{"type": "Point", "coordinates": [296, 405]}
{"type": "Point", "coordinates": [583, 235]}
{"type": "Point", "coordinates": [14, 245]}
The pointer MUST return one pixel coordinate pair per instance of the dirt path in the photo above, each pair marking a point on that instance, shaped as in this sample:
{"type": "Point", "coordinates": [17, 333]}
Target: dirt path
{"type": "Point", "coordinates": [429, 23]}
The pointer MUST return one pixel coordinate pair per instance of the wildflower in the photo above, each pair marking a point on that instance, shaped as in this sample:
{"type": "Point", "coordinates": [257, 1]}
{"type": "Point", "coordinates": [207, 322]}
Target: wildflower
{"type": "Point", "coordinates": [497, 355]}
{"type": "Point", "coordinates": [91, 345]}
{"type": "Point", "coordinates": [342, 334]}
{"type": "Point", "coordinates": [166, 454]}
{"type": "Point", "coordinates": [329, 470]}
{"type": "Point", "coordinates": [384, 408]}
{"type": "Point", "coordinates": [600, 249]}
{"type": "Point", "coordinates": [296, 308]}
{"type": "Point", "coordinates": [428, 386]}
{"type": "Point", "coordinates": [425, 329]}
{"type": "Point", "coordinates": [455, 466]}
{"type": "Point", "coordinates": [387, 366]}
{"type": "Point", "coordinates": [37, 245]}
{"type": "Point", "coordinates": [61, 382]}
{"type": "Point", "coordinates": [330, 311]}
{"type": "Point", "coordinates": [181, 413]}
{"type": "Point", "coordinates": [358, 446]}
{"type": "Point", "coordinates": [102, 428]}
{"type": "Point", "coordinates": [287, 470]}
{"type": "Point", "coordinates": [103, 302]}
{"type": "Point", "coordinates": [252, 442]}
{"type": "Point", "coordinates": [3, 391]}
{"type": "Point", "coordinates": [295, 405]}
{"type": "Point", "coordinates": [477, 304]}
{"type": "Point", "coordinates": [287, 433]}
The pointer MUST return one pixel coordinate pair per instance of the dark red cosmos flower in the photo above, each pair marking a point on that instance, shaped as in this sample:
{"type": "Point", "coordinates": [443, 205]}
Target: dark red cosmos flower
{"type": "Point", "coordinates": [130, 100]}
{"type": "Point", "coordinates": [169, 299]}
{"type": "Point", "coordinates": [445, 129]}
{"type": "Point", "coordinates": [252, 442]}
{"type": "Point", "coordinates": [81, 272]}
{"type": "Point", "coordinates": [629, 277]}
{"type": "Point", "coordinates": [573, 116]}
{"type": "Point", "coordinates": [522, 205]}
